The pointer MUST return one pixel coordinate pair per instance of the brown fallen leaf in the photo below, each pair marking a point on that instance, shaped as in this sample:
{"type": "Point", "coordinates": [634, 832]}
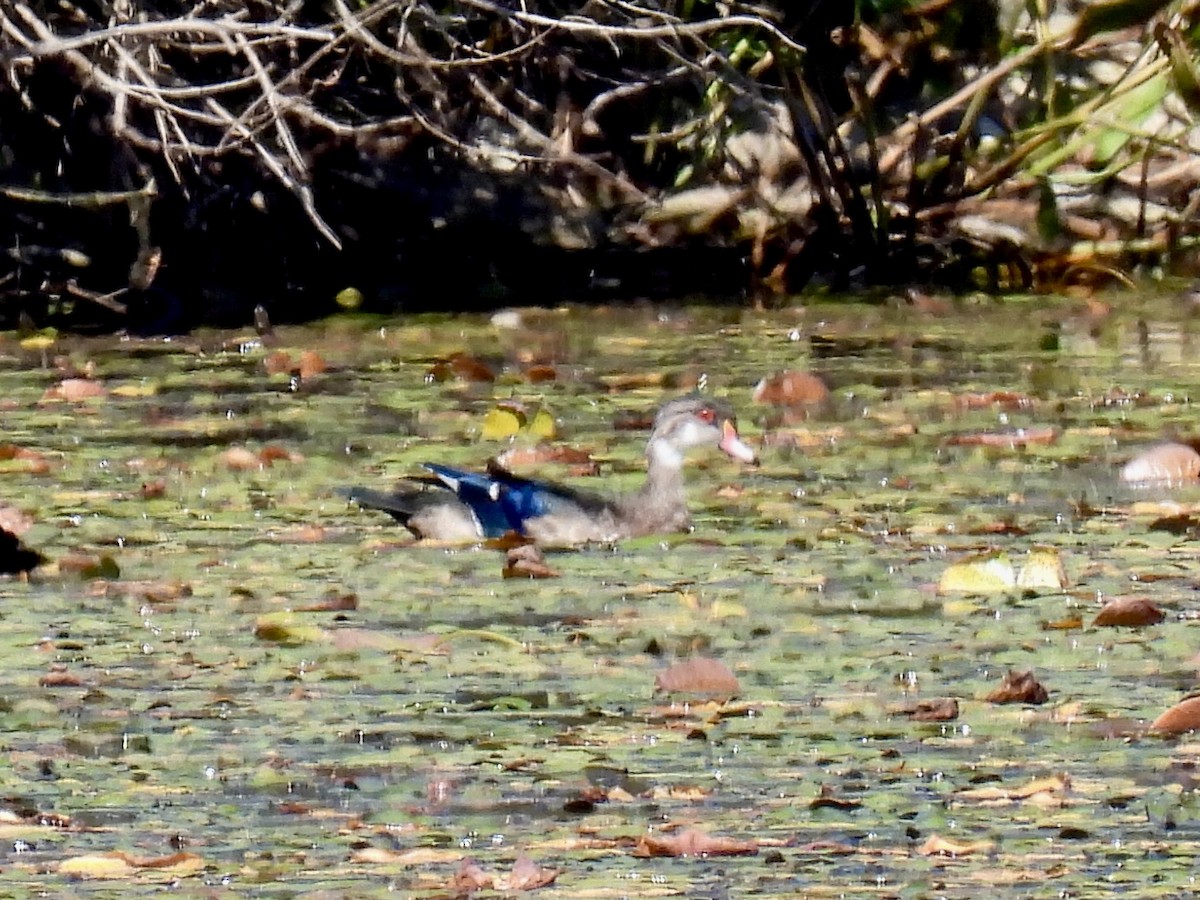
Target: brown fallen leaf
{"type": "Point", "coordinates": [116, 864]}
{"type": "Point", "coordinates": [1183, 716]}
{"type": "Point", "coordinates": [462, 367]}
{"type": "Point", "coordinates": [273, 453]}
{"type": "Point", "coordinates": [311, 363]}
{"type": "Point", "coordinates": [700, 675]}
{"type": "Point", "coordinates": [1182, 524]}
{"type": "Point", "coordinates": [579, 461]}
{"type": "Point", "coordinates": [152, 490]}
{"type": "Point", "coordinates": [23, 460]}
{"type": "Point", "coordinates": [791, 388]}
{"type": "Point", "coordinates": [305, 534]}
{"type": "Point", "coordinates": [526, 875]}
{"type": "Point", "coordinates": [1166, 465]}
{"type": "Point", "coordinates": [526, 561]}
{"type": "Point", "coordinates": [943, 709]}
{"type": "Point", "coordinates": [1019, 687]}
{"type": "Point", "coordinates": [692, 842]}
{"type": "Point", "coordinates": [1129, 612]}
{"type": "Point", "coordinates": [149, 591]}
{"type": "Point", "coordinates": [1016, 439]}
{"type": "Point", "coordinates": [74, 390]}
{"type": "Point", "coordinates": [1009, 400]}
{"type": "Point", "coordinates": [96, 865]}
{"type": "Point", "coordinates": [1039, 788]}
{"type": "Point", "coordinates": [278, 362]}
{"type": "Point", "coordinates": [470, 877]}
{"type": "Point", "coordinates": [333, 601]}
{"type": "Point", "coordinates": [827, 799]}
{"type": "Point", "coordinates": [240, 459]}
{"type": "Point", "coordinates": [940, 846]}
{"type": "Point", "coordinates": [86, 566]}
{"type": "Point", "coordinates": [60, 676]}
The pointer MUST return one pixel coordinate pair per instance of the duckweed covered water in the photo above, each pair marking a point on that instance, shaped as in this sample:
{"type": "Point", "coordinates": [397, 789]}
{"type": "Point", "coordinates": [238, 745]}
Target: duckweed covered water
{"type": "Point", "coordinates": [237, 682]}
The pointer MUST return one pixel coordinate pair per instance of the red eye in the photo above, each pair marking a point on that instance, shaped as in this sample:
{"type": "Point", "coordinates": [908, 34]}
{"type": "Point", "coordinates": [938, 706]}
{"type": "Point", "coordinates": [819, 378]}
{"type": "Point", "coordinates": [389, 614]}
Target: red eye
{"type": "Point", "coordinates": [705, 414]}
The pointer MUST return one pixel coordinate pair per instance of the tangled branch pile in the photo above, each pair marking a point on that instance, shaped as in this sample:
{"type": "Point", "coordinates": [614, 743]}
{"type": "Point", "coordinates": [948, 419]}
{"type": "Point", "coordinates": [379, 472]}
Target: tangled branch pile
{"type": "Point", "coordinates": [163, 163]}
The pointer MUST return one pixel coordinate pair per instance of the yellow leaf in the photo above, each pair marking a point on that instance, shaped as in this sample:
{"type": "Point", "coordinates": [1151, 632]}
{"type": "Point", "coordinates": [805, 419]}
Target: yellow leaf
{"type": "Point", "coordinates": [984, 575]}
{"type": "Point", "coordinates": [1043, 569]}
{"type": "Point", "coordinates": [286, 628]}
{"type": "Point", "coordinates": [43, 340]}
{"type": "Point", "coordinates": [542, 426]}
{"type": "Point", "coordinates": [725, 609]}
{"type": "Point", "coordinates": [500, 424]}
{"type": "Point", "coordinates": [957, 608]}
{"type": "Point", "coordinates": [134, 391]}
{"type": "Point", "coordinates": [96, 865]}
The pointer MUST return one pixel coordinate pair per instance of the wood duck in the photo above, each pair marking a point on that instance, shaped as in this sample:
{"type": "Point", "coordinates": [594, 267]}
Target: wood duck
{"type": "Point", "coordinates": [459, 505]}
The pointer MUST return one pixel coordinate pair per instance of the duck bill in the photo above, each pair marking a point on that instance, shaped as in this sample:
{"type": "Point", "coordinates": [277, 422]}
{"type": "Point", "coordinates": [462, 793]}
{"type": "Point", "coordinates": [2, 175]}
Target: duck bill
{"type": "Point", "coordinates": [734, 446]}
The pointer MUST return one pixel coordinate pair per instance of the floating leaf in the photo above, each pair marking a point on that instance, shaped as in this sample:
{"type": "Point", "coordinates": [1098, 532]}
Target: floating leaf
{"type": "Point", "coordinates": [991, 574]}
{"type": "Point", "coordinates": [1129, 612]}
{"type": "Point", "coordinates": [239, 459]}
{"type": "Point", "coordinates": [699, 675]}
{"type": "Point", "coordinates": [1163, 465]}
{"type": "Point", "coordinates": [579, 461]}
{"type": "Point", "coordinates": [526, 561]}
{"type": "Point", "coordinates": [1183, 716]}
{"type": "Point", "coordinates": [943, 709]}
{"type": "Point", "coordinates": [526, 875]}
{"type": "Point", "coordinates": [692, 842]}
{"type": "Point", "coordinates": [936, 845]}
{"type": "Point", "coordinates": [1040, 789]}
{"type": "Point", "coordinates": [1043, 569]}
{"type": "Point", "coordinates": [273, 453]}
{"type": "Point", "coordinates": [791, 389]}
{"type": "Point", "coordinates": [96, 865]}
{"type": "Point", "coordinates": [334, 601]}
{"type": "Point", "coordinates": [501, 423]}
{"type": "Point", "coordinates": [462, 367]}
{"type": "Point", "coordinates": [41, 341]}
{"type": "Point", "coordinates": [286, 628]}
{"type": "Point", "coordinates": [1009, 400]}
{"type": "Point", "coordinates": [542, 425]}
{"type": "Point", "coordinates": [75, 390]}
{"type": "Point", "coordinates": [152, 490]}
{"type": "Point", "coordinates": [311, 363]}
{"type": "Point", "coordinates": [87, 566]}
{"type": "Point", "coordinates": [1016, 439]}
{"type": "Point", "coordinates": [278, 362]}
{"type": "Point", "coordinates": [1019, 687]}
{"type": "Point", "coordinates": [828, 799]}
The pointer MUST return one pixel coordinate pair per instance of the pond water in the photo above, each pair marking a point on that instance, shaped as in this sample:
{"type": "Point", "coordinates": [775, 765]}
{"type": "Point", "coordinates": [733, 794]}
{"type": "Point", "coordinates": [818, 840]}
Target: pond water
{"type": "Point", "coordinates": [229, 678]}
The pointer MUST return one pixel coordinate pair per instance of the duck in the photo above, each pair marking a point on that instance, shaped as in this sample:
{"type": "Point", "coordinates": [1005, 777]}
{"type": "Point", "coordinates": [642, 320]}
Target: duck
{"type": "Point", "coordinates": [460, 505]}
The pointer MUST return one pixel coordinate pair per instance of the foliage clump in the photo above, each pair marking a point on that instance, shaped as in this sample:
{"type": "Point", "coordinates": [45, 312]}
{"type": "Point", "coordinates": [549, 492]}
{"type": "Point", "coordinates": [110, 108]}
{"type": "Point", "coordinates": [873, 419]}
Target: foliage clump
{"type": "Point", "coordinates": [163, 158]}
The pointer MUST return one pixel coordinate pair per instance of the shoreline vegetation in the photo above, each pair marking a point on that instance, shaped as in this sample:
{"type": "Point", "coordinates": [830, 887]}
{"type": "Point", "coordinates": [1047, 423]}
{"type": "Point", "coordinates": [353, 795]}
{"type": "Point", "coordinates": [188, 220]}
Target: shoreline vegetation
{"type": "Point", "coordinates": [170, 164]}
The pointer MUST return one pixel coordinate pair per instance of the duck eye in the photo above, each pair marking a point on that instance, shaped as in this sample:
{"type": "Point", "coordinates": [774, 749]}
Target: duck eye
{"type": "Point", "coordinates": [706, 415]}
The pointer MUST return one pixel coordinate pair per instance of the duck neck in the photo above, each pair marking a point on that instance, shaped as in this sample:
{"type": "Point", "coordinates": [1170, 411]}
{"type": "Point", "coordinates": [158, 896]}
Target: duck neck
{"type": "Point", "coordinates": [664, 472]}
